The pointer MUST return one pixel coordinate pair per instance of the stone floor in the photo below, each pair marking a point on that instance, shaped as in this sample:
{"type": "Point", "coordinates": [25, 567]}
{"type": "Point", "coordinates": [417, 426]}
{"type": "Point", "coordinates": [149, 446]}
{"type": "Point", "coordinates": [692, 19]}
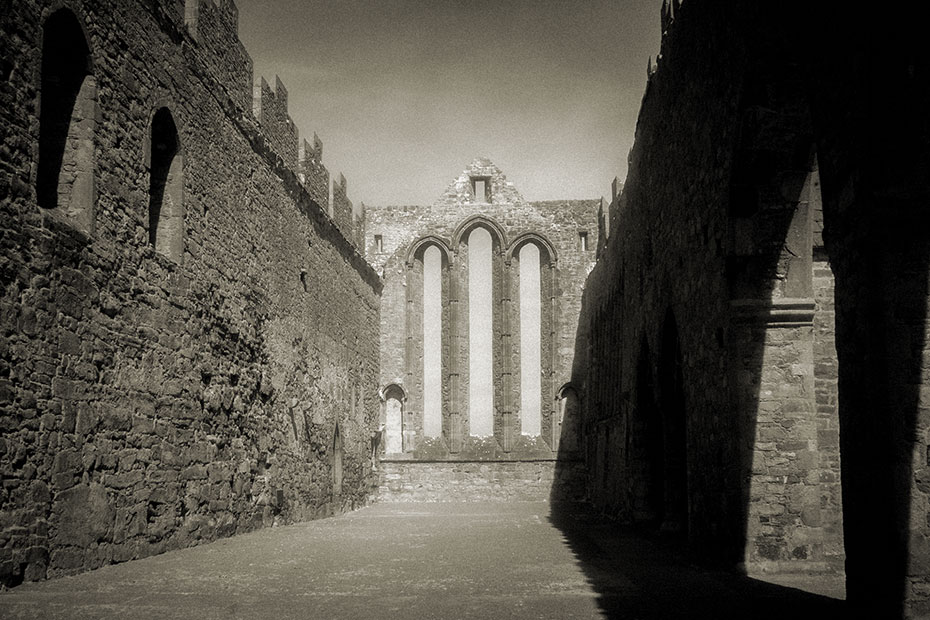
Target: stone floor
{"type": "Point", "coordinates": [487, 561]}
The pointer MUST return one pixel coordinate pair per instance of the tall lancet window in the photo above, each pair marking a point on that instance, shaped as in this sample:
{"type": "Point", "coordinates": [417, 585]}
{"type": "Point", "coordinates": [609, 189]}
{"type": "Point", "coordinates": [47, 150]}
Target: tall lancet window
{"type": "Point", "coordinates": [480, 334]}
{"type": "Point", "coordinates": [432, 342]}
{"type": "Point", "coordinates": [530, 344]}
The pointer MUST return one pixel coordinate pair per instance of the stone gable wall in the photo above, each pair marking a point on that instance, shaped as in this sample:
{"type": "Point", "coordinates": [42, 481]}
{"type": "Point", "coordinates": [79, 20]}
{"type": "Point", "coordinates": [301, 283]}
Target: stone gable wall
{"type": "Point", "coordinates": [399, 227]}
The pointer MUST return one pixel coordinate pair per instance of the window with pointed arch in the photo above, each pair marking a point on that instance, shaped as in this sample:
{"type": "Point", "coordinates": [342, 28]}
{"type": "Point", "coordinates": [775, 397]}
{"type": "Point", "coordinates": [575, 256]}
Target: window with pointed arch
{"type": "Point", "coordinates": [428, 339]}
{"type": "Point", "coordinates": [537, 331]}
{"type": "Point", "coordinates": [480, 332]}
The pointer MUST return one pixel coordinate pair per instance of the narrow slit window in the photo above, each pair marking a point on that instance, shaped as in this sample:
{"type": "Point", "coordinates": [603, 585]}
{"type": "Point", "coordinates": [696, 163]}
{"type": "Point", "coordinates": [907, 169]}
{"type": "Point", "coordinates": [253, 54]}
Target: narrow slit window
{"type": "Point", "coordinates": [379, 244]}
{"type": "Point", "coordinates": [583, 241]}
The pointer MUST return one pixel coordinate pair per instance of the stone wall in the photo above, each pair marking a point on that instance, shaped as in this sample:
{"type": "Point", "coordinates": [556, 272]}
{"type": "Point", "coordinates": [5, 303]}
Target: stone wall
{"type": "Point", "coordinates": [215, 29]}
{"type": "Point", "coordinates": [479, 481]}
{"type": "Point", "coordinates": [698, 352]}
{"type": "Point", "coordinates": [395, 239]}
{"type": "Point", "coordinates": [760, 307]}
{"type": "Point", "coordinates": [153, 402]}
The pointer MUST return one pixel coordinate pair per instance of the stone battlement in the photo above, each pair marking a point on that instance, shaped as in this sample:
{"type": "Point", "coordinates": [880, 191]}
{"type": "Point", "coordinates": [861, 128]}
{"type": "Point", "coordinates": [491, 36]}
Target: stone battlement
{"type": "Point", "coordinates": [213, 25]}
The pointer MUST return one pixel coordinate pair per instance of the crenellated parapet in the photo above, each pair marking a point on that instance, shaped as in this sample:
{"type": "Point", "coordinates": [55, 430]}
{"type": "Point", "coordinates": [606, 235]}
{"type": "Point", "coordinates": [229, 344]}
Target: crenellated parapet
{"type": "Point", "coordinates": [213, 25]}
{"type": "Point", "coordinates": [215, 28]}
{"type": "Point", "coordinates": [312, 173]}
{"type": "Point", "coordinates": [359, 217]}
{"type": "Point", "coordinates": [670, 13]}
{"type": "Point", "coordinates": [270, 110]}
{"type": "Point", "coordinates": [343, 212]}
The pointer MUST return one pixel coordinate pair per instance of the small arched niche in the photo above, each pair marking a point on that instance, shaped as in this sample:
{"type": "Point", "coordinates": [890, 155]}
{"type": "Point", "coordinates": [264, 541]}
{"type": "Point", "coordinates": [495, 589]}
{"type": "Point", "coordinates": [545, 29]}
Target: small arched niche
{"type": "Point", "coordinates": [566, 422]}
{"type": "Point", "coordinates": [394, 399]}
{"type": "Point", "coordinates": [337, 465]}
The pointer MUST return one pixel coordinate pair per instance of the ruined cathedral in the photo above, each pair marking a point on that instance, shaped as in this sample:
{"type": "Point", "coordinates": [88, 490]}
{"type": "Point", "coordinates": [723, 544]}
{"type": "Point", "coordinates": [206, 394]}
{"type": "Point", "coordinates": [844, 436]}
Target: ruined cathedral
{"type": "Point", "coordinates": [201, 335]}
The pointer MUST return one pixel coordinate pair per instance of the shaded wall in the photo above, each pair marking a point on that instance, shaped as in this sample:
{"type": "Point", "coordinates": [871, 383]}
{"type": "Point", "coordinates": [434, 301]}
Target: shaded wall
{"type": "Point", "coordinates": [750, 112]}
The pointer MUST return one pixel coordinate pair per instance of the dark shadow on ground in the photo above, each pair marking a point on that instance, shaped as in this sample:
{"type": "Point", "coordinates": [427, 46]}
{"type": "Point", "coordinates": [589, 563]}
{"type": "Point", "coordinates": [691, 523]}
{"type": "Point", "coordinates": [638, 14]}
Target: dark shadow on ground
{"type": "Point", "coordinates": [638, 575]}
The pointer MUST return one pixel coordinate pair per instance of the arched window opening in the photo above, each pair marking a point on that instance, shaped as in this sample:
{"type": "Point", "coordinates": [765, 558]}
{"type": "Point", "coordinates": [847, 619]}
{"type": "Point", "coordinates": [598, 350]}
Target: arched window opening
{"type": "Point", "coordinates": [530, 341]}
{"type": "Point", "coordinates": [166, 187]}
{"type": "Point", "coordinates": [480, 333]}
{"type": "Point", "coordinates": [432, 342]}
{"type": "Point", "coordinates": [65, 175]}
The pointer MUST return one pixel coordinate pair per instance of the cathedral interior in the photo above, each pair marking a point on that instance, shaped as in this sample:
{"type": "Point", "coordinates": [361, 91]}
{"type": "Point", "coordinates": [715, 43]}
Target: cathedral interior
{"type": "Point", "coordinates": [202, 336]}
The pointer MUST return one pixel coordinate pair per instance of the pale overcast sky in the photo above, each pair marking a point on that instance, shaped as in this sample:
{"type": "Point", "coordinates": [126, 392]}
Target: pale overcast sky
{"type": "Point", "coordinates": [406, 93]}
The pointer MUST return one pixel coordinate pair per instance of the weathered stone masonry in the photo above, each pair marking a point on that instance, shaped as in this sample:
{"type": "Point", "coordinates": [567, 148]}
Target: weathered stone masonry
{"type": "Point", "coordinates": [761, 301]}
{"type": "Point", "coordinates": [156, 397]}
{"type": "Point", "coordinates": [397, 239]}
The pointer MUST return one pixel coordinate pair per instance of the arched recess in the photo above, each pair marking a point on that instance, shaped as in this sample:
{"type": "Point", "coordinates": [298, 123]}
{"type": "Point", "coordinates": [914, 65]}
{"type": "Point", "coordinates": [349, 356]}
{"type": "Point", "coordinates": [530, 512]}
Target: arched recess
{"type": "Point", "coordinates": [337, 465]}
{"type": "Point", "coordinates": [780, 338]}
{"type": "Point", "coordinates": [416, 248]}
{"type": "Point", "coordinates": [461, 232]}
{"type": "Point", "coordinates": [532, 237]}
{"type": "Point", "coordinates": [479, 243]}
{"type": "Point", "coordinates": [534, 320]}
{"type": "Point", "coordinates": [166, 186]}
{"type": "Point", "coordinates": [674, 429]}
{"type": "Point", "coordinates": [567, 421]}
{"type": "Point", "coordinates": [393, 399]}
{"type": "Point", "coordinates": [427, 318]}
{"type": "Point", "coordinates": [67, 112]}
{"type": "Point", "coordinates": [646, 447]}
